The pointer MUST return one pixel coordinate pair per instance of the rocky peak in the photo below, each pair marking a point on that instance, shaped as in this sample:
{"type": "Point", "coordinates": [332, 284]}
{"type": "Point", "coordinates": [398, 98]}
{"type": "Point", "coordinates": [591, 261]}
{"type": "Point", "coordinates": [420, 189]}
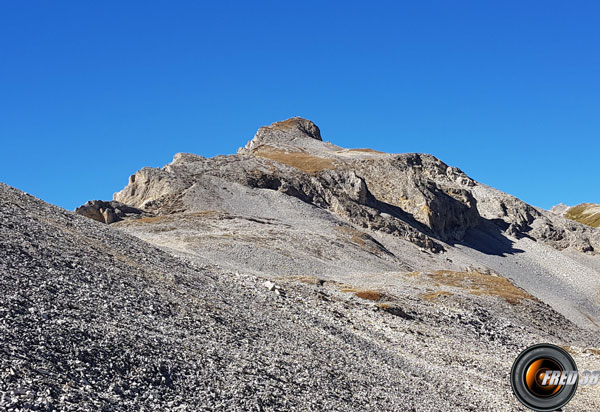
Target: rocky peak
{"type": "Point", "coordinates": [560, 209]}
{"type": "Point", "coordinates": [295, 131]}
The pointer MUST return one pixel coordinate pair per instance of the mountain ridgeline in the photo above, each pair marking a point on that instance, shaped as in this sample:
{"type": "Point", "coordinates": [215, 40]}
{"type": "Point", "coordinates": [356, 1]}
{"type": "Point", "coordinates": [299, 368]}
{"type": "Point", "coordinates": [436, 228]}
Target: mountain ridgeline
{"type": "Point", "coordinates": [413, 196]}
{"type": "Point", "coordinates": [290, 204]}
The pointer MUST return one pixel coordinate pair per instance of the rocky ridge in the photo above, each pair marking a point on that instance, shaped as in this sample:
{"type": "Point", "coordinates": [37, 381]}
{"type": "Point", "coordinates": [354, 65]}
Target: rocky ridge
{"type": "Point", "coordinates": [290, 204]}
{"type": "Point", "coordinates": [586, 213]}
{"type": "Point", "coordinates": [413, 196]}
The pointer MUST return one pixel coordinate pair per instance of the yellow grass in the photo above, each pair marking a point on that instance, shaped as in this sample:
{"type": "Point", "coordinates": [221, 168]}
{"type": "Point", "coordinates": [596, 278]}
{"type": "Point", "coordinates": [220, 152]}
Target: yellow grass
{"type": "Point", "coordinates": [369, 295]}
{"type": "Point", "coordinates": [301, 161]}
{"type": "Point", "coordinates": [435, 295]}
{"type": "Point", "coordinates": [154, 219]}
{"type": "Point", "coordinates": [365, 150]}
{"type": "Point", "coordinates": [482, 284]}
{"type": "Point", "coordinates": [586, 213]}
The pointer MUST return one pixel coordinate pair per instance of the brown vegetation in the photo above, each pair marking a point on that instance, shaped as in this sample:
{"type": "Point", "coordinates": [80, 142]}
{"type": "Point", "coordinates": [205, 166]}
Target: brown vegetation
{"type": "Point", "coordinates": [311, 280]}
{"type": "Point", "coordinates": [356, 236]}
{"type": "Point", "coordinates": [302, 161]}
{"type": "Point", "coordinates": [154, 219]}
{"type": "Point", "coordinates": [434, 295]}
{"type": "Point", "coordinates": [284, 124]}
{"type": "Point", "coordinates": [482, 284]}
{"type": "Point", "coordinates": [586, 213]}
{"type": "Point", "coordinates": [369, 295]}
{"type": "Point", "coordinates": [593, 351]}
{"type": "Point", "coordinates": [365, 151]}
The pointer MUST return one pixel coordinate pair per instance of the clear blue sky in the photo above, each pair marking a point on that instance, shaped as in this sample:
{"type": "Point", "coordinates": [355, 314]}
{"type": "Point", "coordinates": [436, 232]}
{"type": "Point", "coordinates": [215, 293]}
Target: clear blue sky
{"type": "Point", "coordinates": [509, 91]}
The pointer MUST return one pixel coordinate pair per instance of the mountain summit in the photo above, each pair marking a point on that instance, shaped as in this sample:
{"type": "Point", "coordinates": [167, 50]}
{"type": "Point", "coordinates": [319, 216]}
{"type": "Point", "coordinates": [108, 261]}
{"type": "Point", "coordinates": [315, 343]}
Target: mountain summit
{"type": "Point", "coordinates": [413, 196]}
{"type": "Point", "coordinates": [294, 131]}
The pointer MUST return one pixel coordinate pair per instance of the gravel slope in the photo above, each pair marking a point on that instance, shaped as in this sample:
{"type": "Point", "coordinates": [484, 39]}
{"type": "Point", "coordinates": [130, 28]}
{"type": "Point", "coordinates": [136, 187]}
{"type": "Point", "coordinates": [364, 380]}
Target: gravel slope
{"type": "Point", "coordinates": [93, 319]}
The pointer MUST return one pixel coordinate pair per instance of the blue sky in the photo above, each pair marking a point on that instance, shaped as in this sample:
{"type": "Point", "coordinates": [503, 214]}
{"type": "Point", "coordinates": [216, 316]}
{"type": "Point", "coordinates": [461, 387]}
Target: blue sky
{"type": "Point", "coordinates": [508, 91]}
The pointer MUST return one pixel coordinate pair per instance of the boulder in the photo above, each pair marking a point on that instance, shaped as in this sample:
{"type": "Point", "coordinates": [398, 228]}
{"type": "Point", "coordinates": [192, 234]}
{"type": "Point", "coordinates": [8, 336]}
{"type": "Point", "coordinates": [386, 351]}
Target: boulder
{"type": "Point", "coordinates": [107, 211]}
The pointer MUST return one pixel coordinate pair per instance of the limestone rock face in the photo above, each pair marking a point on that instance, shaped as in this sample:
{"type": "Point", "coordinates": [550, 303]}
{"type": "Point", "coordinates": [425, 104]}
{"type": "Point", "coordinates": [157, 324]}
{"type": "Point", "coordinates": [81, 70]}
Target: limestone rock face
{"type": "Point", "coordinates": [560, 209]}
{"type": "Point", "coordinates": [292, 131]}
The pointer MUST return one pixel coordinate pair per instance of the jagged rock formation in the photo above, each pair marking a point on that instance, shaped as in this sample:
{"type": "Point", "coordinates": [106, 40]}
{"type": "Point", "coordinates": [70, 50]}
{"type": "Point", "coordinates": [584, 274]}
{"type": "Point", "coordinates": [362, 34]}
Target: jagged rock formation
{"type": "Point", "coordinates": [108, 212]}
{"type": "Point", "coordinates": [289, 204]}
{"type": "Point", "coordinates": [560, 209]}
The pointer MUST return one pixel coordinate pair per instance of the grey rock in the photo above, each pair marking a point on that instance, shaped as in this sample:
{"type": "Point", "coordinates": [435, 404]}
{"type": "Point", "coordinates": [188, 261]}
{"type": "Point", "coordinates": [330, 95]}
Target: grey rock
{"type": "Point", "coordinates": [560, 209]}
{"type": "Point", "coordinates": [293, 131]}
{"type": "Point", "coordinates": [108, 211]}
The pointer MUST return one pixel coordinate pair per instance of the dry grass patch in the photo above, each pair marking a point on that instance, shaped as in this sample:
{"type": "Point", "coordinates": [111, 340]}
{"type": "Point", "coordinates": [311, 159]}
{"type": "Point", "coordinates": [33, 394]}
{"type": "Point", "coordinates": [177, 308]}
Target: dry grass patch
{"type": "Point", "coordinates": [365, 151]}
{"type": "Point", "coordinates": [284, 124]}
{"type": "Point", "coordinates": [481, 284]}
{"type": "Point", "coordinates": [310, 280]}
{"type": "Point", "coordinates": [152, 219]}
{"type": "Point", "coordinates": [205, 213]}
{"type": "Point", "coordinates": [365, 293]}
{"type": "Point", "coordinates": [369, 295]}
{"type": "Point", "coordinates": [302, 161]}
{"type": "Point", "coordinates": [586, 213]}
{"type": "Point", "coordinates": [356, 236]}
{"type": "Point", "coordinates": [435, 295]}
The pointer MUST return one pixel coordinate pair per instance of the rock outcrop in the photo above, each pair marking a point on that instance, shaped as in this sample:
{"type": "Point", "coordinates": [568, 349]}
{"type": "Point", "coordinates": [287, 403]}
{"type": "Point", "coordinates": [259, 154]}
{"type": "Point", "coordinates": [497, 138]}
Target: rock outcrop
{"type": "Point", "coordinates": [108, 212]}
{"type": "Point", "coordinates": [296, 132]}
{"type": "Point", "coordinates": [560, 209]}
